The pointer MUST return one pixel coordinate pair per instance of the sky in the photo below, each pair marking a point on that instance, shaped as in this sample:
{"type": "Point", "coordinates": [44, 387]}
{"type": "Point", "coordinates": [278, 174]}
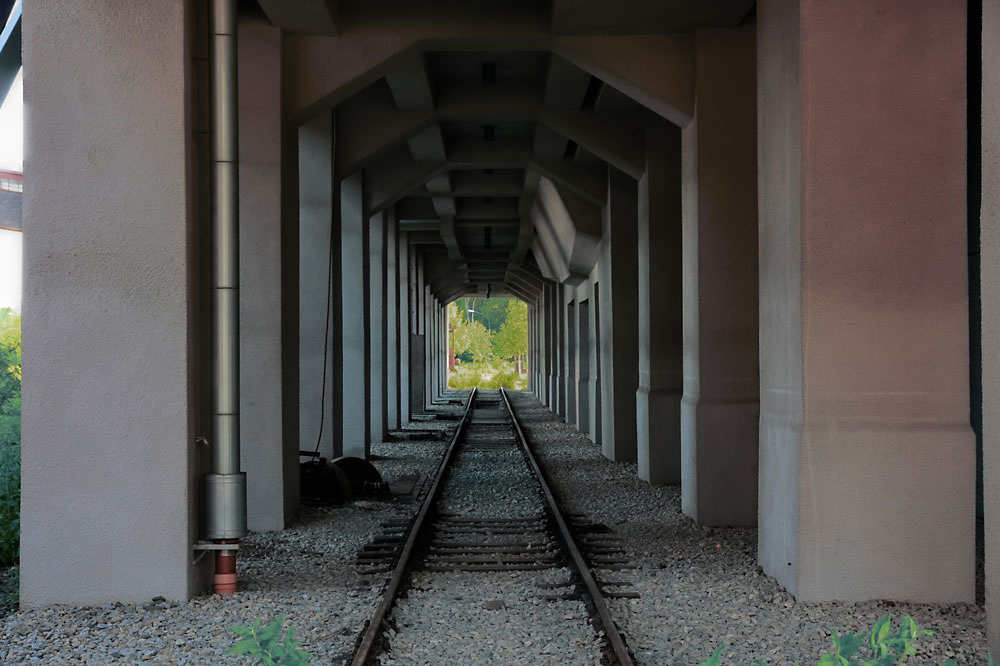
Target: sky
{"type": "Point", "coordinates": [11, 157]}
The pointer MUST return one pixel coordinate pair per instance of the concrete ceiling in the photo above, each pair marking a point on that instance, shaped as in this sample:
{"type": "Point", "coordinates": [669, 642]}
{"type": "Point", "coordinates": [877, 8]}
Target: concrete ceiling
{"type": "Point", "coordinates": [497, 160]}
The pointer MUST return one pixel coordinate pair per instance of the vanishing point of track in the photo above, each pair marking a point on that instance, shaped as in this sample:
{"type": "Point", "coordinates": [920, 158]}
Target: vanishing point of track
{"type": "Point", "coordinates": [435, 540]}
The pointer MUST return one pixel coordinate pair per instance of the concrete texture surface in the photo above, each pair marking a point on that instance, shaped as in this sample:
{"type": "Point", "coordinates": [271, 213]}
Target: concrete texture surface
{"type": "Point", "coordinates": [319, 409]}
{"type": "Point", "coordinates": [882, 308]}
{"type": "Point", "coordinates": [109, 473]}
{"type": "Point", "coordinates": [658, 397]}
{"type": "Point", "coordinates": [353, 282]}
{"type": "Point", "coordinates": [991, 313]}
{"type": "Point", "coordinates": [261, 407]}
{"type": "Point", "coordinates": [720, 409]}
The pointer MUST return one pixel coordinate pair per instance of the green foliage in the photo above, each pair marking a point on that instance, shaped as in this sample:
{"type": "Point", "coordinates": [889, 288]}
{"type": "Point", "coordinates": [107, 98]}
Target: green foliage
{"type": "Point", "coordinates": [10, 376]}
{"type": "Point", "coordinates": [10, 503]}
{"type": "Point", "coordinates": [268, 646]}
{"type": "Point", "coordinates": [488, 375]}
{"type": "Point", "coordinates": [885, 647]}
{"type": "Point", "coordinates": [512, 338]}
{"type": "Point", "coordinates": [468, 337]}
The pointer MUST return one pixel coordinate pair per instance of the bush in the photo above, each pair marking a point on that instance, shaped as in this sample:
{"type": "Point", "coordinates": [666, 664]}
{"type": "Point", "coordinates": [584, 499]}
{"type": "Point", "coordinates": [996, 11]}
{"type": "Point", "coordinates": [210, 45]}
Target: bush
{"type": "Point", "coordinates": [493, 374]}
{"type": "Point", "coordinates": [10, 503]}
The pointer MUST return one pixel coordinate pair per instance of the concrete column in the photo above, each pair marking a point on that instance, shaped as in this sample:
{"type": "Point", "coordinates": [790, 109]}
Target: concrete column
{"type": "Point", "coordinates": [110, 468]}
{"type": "Point", "coordinates": [569, 351]}
{"type": "Point", "coordinates": [867, 460]}
{"type": "Point", "coordinates": [721, 405]}
{"type": "Point", "coordinates": [594, 358]}
{"type": "Point", "coordinates": [658, 397]}
{"type": "Point", "coordinates": [559, 342]}
{"type": "Point", "coordinates": [427, 313]}
{"type": "Point", "coordinates": [990, 276]}
{"type": "Point", "coordinates": [551, 343]}
{"type": "Point", "coordinates": [619, 315]}
{"type": "Point", "coordinates": [583, 359]}
{"type": "Point", "coordinates": [417, 351]}
{"type": "Point", "coordinates": [356, 383]}
{"type": "Point", "coordinates": [532, 348]}
{"type": "Point", "coordinates": [319, 303]}
{"type": "Point", "coordinates": [392, 310]}
{"type": "Point", "coordinates": [378, 314]}
{"type": "Point", "coordinates": [269, 465]}
{"type": "Point", "coordinates": [542, 355]}
{"type": "Point", "coordinates": [403, 321]}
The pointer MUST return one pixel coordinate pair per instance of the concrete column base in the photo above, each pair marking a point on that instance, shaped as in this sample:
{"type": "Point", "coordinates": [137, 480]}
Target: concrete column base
{"type": "Point", "coordinates": [723, 435]}
{"type": "Point", "coordinates": [899, 525]}
{"type": "Point", "coordinates": [658, 415]}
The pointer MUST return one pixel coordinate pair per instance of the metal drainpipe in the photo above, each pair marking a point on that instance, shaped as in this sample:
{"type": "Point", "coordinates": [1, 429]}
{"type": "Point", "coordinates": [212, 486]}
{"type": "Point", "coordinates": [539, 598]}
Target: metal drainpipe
{"type": "Point", "coordinates": [226, 485]}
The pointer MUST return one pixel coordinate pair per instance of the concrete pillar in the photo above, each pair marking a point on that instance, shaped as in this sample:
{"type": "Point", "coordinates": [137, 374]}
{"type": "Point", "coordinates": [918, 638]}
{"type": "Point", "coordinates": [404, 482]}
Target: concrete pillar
{"type": "Point", "coordinates": [551, 343]}
{"type": "Point", "coordinates": [378, 314]}
{"type": "Point", "coordinates": [110, 469]}
{"type": "Point", "coordinates": [583, 359]}
{"type": "Point", "coordinates": [569, 351]}
{"type": "Point", "coordinates": [559, 343]}
{"type": "Point", "coordinates": [403, 321]}
{"type": "Point", "coordinates": [417, 352]}
{"type": "Point", "coordinates": [392, 310]}
{"type": "Point", "coordinates": [269, 465]}
{"type": "Point", "coordinates": [319, 303]}
{"type": "Point", "coordinates": [427, 312]}
{"type": "Point", "coordinates": [658, 398]}
{"type": "Point", "coordinates": [541, 354]}
{"type": "Point", "coordinates": [720, 409]}
{"type": "Point", "coordinates": [990, 277]}
{"type": "Point", "coordinates": [619, 315]}
{"type": "Point", "coordinates": [356, 386]}
{"type": "Point", "coordinates": [867, 459]}
{"type": "Point", "coordinates": [594, 358]}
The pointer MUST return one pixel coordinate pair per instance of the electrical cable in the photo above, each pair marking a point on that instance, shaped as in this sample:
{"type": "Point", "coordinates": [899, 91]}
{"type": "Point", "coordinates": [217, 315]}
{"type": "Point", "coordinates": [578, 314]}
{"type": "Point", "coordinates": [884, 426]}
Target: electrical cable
{"type": "Point", "coordinates": [326, 344]}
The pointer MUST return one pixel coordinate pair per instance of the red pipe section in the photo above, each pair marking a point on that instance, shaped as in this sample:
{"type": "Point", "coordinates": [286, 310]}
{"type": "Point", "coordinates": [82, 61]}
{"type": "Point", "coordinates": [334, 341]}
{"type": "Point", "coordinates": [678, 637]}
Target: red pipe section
{"type": "Point", "coordinates": [225, 568]}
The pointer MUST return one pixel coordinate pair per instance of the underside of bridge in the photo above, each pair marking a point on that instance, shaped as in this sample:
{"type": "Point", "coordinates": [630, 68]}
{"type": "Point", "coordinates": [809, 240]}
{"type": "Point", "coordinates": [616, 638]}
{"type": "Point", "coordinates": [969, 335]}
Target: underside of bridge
{"type": "Point", "coordinates": [740, 229]}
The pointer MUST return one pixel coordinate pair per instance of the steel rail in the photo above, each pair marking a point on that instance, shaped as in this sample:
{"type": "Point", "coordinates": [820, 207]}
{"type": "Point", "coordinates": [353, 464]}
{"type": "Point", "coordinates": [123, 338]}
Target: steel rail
{"type": "Point", "coordinates": [363, 653]}
{"type": "Point", "coordinates": [593, 589]}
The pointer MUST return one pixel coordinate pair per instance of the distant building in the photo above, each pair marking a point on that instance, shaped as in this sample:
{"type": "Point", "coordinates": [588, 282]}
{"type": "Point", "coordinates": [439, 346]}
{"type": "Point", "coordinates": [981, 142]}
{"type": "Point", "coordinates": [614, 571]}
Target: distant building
{"type": "Point", "coordinates": [11, 188]}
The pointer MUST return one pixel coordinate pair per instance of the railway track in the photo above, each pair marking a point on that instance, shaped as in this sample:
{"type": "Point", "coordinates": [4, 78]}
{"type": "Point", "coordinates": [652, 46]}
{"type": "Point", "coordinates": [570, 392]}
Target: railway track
{"type": "Point", "coordinates": [490, 522]}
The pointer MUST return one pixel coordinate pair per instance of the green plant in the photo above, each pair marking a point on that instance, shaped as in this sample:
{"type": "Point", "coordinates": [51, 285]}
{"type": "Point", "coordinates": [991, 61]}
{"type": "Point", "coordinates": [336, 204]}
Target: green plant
{"type": "Point", "coordinates": [10, 503]}
{"type": "Point", "coordinates": [268, 645]}
{"type": "Point", "coordinates": [887, 648]}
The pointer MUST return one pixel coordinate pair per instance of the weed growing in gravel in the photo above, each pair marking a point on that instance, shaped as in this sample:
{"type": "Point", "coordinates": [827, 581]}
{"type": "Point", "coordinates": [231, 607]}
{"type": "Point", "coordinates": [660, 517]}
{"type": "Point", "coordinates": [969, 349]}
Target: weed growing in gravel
{"type": "Point", "coordinates": [886, 648]}
{"type": "Point", "coordinates": [268, 646]}
{"type": "Point", "coordinates": [10, 503]}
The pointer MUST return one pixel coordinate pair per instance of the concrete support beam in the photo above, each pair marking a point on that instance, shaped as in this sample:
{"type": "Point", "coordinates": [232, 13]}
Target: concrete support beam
{"type": "Point", "coordinates": [417, 351]}
{"type": "Point", "coordinates": [427, 312]}
{"type": "Point", "coordinates": [392, 310]}
{"type": "Point", "coordinates": [548, 351]}
{"type": "Point", "coordinates": [108, 291]}
{"type": "Point", "coordinates": [569, 351]}
{"type": "Point", "coordinates": [559, 347]}
{"type": "Point", "coordinates": [319, 303]}
{"type": "Point", "coordinates": [619, 315]}
{"type": "Point", "coordinates": [863, 228]}
{"type": "Point", "coordinates": [721, 406]}
{"type": "Point", "coordinates": [582, 360]}
{"type": "Point", "coordinates": [353, 272]}
{"type": "Point", "coordinates": [990, 275]}
{"type": "Point", "coordinates": [378, 343]}
{"type": "Point", "coordinates": [658, 418]}
{"type": "Point", "coordinates": [269, 465]}
{"type": "Point", "coordinates": [403, 320]}
{"type": "Point", "coordinates": [594, 427]}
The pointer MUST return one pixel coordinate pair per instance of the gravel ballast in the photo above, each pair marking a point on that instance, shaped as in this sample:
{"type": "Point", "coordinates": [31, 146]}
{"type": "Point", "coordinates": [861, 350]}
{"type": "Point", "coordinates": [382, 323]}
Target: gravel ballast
{"type": "Point", "coordinates": [699, 587]}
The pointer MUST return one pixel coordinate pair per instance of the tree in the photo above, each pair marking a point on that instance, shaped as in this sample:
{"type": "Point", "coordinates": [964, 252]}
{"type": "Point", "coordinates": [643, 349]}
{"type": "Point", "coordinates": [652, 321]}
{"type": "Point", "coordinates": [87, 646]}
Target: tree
{"type": "Point", "coordinates": [468, 336]}
{"type": "Point", "coordinates": [512, 339]}
{"type": "Point", "coordinates": [10, 376]}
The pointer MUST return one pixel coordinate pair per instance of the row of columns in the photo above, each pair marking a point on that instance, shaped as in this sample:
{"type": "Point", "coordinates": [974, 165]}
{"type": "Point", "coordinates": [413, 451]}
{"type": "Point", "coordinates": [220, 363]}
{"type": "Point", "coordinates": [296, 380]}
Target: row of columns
{"type": "Point", "coordinates": [755, 338]}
